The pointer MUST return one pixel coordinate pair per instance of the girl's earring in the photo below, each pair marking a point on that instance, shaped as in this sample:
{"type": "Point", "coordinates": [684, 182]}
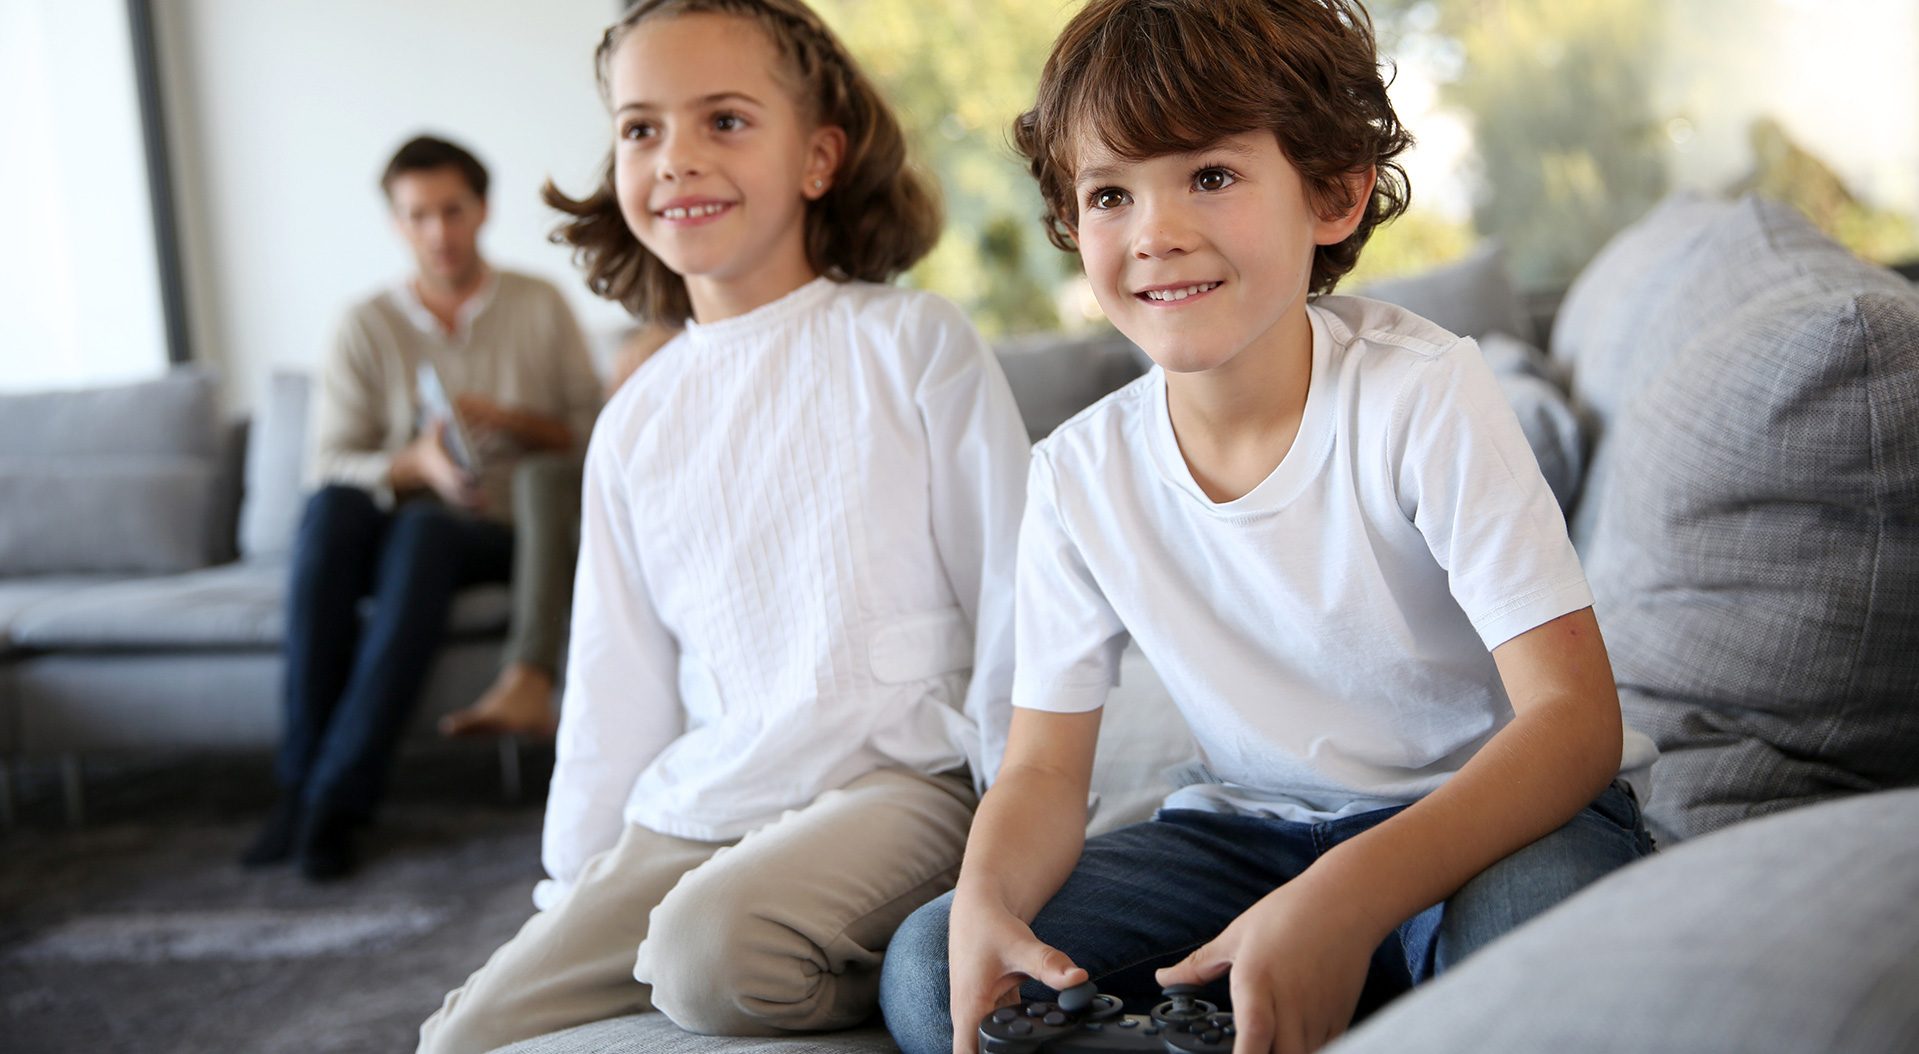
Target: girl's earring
{"type": "Point", "coordinates": [818, 184]}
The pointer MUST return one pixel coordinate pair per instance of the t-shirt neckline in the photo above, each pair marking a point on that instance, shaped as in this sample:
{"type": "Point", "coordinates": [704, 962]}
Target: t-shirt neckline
{"type": "Point", "coordinates": [1288, 478]}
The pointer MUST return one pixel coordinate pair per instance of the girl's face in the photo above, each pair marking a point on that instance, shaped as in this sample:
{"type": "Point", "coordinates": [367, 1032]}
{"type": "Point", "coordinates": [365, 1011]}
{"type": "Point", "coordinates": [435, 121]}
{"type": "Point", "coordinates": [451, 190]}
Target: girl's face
{"type": "Point", "coordinates": [714, 161]}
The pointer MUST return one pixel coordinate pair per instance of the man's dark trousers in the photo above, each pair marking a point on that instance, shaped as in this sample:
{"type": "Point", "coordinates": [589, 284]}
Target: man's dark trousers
{"type": "Point", "coordinates": [352, 681]}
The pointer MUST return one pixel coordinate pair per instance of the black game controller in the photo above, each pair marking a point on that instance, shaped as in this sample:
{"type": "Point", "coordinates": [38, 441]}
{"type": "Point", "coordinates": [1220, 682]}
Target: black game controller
{"type": "Point", "coordinates": [1084, 1020]}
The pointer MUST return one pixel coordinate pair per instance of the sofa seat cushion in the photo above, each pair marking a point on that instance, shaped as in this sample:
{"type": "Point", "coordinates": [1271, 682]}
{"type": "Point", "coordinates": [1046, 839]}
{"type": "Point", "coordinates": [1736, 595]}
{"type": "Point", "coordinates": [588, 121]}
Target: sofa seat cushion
{"type": "Point", "coordinates": [18, 595]}
{"type": "Point", "coordinates": [654, 1034]}
{"type": "Point", "coordinates": [1755, 551]}
{"type": "Point", "coordinates": [238, 605]}
{"type": "Point", "coordinates": [1792, 933]}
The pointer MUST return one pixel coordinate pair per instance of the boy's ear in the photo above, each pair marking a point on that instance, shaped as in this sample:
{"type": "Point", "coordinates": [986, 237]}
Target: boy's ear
{"type": "Point", "coordinates": [1331, 230]}
{"type": "Point", "coordinates": [824, 150]}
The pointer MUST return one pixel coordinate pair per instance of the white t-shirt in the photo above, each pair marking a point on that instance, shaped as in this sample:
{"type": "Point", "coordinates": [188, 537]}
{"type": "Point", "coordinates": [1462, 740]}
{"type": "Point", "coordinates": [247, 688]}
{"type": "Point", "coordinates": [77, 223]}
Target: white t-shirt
{"type": "Point", "coordinates": [1328, 634]}
{"type": "Point", "coordinates": [797, 539]}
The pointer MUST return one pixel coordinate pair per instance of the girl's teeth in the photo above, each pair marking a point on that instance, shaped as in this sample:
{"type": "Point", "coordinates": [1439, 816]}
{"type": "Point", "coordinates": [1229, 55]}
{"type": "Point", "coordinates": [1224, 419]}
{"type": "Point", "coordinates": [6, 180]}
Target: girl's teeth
{"type": "Point", "coordinates": [694, 211]}
{"type": "Point", "coordinates": [1181, 294]}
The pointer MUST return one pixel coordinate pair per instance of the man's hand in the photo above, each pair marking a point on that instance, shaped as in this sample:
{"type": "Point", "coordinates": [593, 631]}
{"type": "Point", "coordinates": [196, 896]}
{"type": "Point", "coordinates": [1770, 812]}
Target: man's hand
{"type": "Point", "coordinates": [483, 416]}
{"type": "Point", "coordinates": [992, 952]}
{"type": "Point", "coordinates": [424, 463]}
{"type": "Point", "coordinates": [1298, 964]}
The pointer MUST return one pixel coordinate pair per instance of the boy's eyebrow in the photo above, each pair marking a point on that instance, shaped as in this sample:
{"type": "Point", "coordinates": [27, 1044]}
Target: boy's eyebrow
{"type": "Point", "coordinates": [1106, 170]}
{"type": "Point", "coordinates": [704, 100]}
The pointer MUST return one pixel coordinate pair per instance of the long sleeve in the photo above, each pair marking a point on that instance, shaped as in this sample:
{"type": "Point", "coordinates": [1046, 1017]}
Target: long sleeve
{"type": "Point", "coordinates": [350, 425]}
{"type": "Point", "coordinates": [979, 454]}
{"type": "Point", "coordinates": [621, 706]}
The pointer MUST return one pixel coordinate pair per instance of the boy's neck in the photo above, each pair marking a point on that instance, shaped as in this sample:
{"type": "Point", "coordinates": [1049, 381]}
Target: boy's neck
{"type": "Point", "coordinates": [1235, 423]}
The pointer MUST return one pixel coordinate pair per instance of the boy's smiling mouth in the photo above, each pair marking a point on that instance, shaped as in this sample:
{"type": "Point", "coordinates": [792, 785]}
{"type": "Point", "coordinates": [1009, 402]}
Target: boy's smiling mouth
{"type": "Point", "coordinates": [1176, 294]}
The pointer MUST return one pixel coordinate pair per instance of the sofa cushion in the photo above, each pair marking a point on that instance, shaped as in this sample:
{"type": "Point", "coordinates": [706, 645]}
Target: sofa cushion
{"type": "Point", "coordinates": [1794, 933]}
{"type": "Point", "coordinates": [17, 595]}
{"type": "Point", "coordinates": [178, 413]}
{"type": "Point", "coordinates": [1472, 297]}
{"type": "Point", "coordinates": [1055, 377]}
{"type": "Point", "coordinates": [1545, 414]}
{"type": "Point", "coordinates": [276, 468]}
{"type": "Point", "coordinates": [106, 513]}
{"type": "Point", "coordinates": [654, 1034]}
{"type": "Point", "coordinates": [1749, 522]}
{"type": "Point", "coordinates": [233, 606]}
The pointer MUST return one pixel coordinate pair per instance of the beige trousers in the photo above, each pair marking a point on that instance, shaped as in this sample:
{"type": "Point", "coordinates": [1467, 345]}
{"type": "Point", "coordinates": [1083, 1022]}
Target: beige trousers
{"type": "Point", "coordinates": [782, 931]}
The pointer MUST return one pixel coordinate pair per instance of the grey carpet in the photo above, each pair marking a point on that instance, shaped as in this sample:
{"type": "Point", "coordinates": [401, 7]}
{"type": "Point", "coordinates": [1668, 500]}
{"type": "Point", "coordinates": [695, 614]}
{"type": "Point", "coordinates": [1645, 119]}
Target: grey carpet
{"type": "Point", "coordinates": [138, 933]}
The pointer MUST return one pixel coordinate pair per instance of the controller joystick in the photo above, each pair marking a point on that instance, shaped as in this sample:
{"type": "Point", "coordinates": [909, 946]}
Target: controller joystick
{"type": "Point", "coordinates": [1082, 1020]}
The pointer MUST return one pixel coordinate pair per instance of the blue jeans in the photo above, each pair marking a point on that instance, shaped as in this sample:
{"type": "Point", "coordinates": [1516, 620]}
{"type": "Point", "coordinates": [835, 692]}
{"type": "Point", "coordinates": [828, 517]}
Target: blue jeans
{"type": "Point", "coordinates": [1143, 897]}
{"type": "Point", "coordinates": [352, 683]}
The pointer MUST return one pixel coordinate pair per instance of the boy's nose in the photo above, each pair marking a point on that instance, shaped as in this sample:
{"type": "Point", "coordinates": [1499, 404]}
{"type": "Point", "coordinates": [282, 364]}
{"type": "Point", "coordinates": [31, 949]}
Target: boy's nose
{"type": "Point", "coordinates": [1162, 232]}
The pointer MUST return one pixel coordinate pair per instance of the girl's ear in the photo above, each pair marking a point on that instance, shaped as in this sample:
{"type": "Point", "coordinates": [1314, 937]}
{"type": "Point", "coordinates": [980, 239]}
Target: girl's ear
{"type": "Point", "coordinates": [1331, 230]}
{"type": "Point", "coordinates": [824, 150]}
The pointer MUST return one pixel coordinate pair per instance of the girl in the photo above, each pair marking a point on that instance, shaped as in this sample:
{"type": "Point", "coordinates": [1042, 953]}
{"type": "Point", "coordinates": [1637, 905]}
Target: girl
{"type": "Point", "coordinates": [798, 537]}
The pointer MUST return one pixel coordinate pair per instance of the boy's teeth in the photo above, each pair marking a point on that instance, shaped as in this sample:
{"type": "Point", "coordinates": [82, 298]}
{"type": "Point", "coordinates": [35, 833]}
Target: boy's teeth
{"type": "Point", "coordinates": [678, 213]}
{"type": "Point", "coordinates": [1181, 294]}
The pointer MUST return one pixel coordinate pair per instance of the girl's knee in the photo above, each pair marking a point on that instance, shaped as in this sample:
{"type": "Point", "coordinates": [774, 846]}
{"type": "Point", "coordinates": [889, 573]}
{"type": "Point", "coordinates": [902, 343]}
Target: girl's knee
{"type": "Point", "coordinates": [711, 960]}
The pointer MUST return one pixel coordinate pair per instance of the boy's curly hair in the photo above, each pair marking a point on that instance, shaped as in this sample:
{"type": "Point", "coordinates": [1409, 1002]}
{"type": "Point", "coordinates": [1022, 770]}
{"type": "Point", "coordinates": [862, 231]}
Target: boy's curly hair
{"type": "Point", "coordinates": [878, 218]}
{"type": "Point", "coordinates": [1153, 77]}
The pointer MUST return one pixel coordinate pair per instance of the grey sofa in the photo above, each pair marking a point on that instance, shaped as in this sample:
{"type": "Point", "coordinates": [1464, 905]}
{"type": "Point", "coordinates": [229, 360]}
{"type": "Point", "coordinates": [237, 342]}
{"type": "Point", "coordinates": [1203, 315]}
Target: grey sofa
{"type": "Point", "coordinates": [142, 573]}
{"type": "Point", "coordinates": [1746, 398]}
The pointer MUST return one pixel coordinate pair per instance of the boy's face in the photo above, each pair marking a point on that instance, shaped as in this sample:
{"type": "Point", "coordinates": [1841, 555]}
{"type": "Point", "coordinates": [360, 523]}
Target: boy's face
{"type": "Point", "coordinates": [1197, 257]}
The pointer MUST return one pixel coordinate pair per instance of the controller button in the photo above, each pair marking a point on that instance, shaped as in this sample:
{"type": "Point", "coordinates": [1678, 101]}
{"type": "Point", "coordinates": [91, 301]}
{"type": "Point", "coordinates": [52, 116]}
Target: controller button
{"type": "Point", "coordinates": [1022, 1027]}
{"type": "Point", "coordinates": [1211, 1035]}
{"type": "Point", "coordinates": [1039, 1009]}
{"type": "Point", "coordinates": [1005, 1014]}
{"type": "Point", "coordinates": [1055, 1019]}
{"type": "Point", "coordinates": [1229, 1030]}
{"type": "Point", "coordinates": [1094, 1026]}
{"type": "Point", "coordinates": [1151, 1030]}
{"type": "Point", "coordinates": [1077, 998]}
{"type": "Point", "coordinates": [1129, 1023]}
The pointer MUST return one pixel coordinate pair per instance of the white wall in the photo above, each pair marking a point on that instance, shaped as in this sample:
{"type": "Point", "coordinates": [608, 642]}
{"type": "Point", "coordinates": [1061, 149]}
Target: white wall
{"type": "Point", "coordinates": [283, 114]}
{"type": "Point", "coordinates": [79, 284]}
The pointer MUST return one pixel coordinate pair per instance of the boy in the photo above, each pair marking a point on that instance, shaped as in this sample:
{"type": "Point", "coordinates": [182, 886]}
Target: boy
{"type": "Point", "coordinates": [1322, 525]}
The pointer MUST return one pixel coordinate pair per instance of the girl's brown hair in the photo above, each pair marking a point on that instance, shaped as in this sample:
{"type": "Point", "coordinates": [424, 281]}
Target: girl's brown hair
{"type": "Point", "coordinates": [878, 217]}
{"type": "Point", "coordinates": [1153, 77]}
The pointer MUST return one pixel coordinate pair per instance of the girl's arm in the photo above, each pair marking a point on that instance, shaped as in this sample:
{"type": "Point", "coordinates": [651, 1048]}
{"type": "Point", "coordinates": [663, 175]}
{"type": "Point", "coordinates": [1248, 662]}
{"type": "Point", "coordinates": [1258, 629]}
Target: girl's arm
{"type": "Point", "coordinates": [621, 705]}
{"type": "Point", "coordinates": [978, 475]}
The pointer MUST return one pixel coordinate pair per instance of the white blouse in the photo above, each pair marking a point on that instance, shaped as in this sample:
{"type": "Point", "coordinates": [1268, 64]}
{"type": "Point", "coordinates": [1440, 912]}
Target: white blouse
{"type": "Point", "coordinates": [796, 568]}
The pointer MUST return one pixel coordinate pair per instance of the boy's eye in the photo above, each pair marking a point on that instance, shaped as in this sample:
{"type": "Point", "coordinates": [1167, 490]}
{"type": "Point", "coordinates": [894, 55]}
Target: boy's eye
{"type": "Point", "coordinates": [1213, 179]}
{"type": "Point", "coordinates": [1107, 198]}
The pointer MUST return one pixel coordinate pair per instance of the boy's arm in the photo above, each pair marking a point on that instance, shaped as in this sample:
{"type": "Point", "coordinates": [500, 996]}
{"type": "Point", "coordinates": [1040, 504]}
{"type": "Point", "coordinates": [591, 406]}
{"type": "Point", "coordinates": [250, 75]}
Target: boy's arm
{"type": "Point", "coordinates": [1299, 956]}
{"type": "Point", "coordinates": [621, 704]}
{"type": "Point", "coordinates": [1026, 838]}
{"type": "Point", "coordinates": [979, 455]}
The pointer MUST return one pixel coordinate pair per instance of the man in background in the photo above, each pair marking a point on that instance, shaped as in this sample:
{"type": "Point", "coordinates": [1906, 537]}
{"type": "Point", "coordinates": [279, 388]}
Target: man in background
{"type": "Point", "coordinates": [416, 499]}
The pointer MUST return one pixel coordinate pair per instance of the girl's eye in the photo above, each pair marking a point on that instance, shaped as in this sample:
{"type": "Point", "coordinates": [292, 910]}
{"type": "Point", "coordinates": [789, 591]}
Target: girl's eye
{"type": "Point", "coordinates": [728, 122]}
{"type": "Point", "coordinates": [637, 130]}
{"type": "Point", "coordinates": [1108, 198]}
{"type": "Point", "coordinates": [1213, 179]}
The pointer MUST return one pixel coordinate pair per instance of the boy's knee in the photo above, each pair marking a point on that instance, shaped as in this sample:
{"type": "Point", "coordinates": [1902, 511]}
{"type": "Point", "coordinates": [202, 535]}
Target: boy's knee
{"type": "Point", "coordinates": [914, 988]}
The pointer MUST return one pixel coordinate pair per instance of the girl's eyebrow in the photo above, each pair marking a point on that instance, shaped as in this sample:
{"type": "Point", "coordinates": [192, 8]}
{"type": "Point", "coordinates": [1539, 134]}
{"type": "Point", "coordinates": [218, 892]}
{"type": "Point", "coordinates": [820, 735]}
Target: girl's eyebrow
{"type": "Point", "coordinates": [704, 100]}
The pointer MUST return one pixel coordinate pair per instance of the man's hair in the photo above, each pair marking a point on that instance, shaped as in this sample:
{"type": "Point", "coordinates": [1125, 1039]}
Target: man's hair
{"type": "Point", "coordinates": [878, 218]}
{"type": "Point", "coordinates": [1154, 77]}
{"type": "Point", "coordinates": [424, 152]}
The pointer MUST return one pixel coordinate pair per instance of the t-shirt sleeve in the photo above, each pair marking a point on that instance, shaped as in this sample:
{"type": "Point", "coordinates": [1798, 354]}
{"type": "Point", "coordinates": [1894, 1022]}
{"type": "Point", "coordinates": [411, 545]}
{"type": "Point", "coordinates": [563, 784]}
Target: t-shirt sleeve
{"type": "Point", "coordinates": [1067, 638]}
{"type": "Point", "coordinates": [1469, 482]}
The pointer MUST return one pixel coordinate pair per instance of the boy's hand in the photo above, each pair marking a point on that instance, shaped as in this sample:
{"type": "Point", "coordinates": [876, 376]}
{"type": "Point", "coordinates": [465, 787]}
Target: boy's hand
{"type": "Point", "coordinates": [992, 952]}
{"type": "Point", "coordinates": [1298, 964]}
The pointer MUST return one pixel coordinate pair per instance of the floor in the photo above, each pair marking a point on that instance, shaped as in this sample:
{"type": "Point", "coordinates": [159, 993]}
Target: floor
{"type": "Point", "coordinates": [137, 932]}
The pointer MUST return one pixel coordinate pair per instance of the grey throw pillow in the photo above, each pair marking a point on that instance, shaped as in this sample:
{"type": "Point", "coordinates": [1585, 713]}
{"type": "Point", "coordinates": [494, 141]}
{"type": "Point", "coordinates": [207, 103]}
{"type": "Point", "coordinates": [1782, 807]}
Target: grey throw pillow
{"type": "Point", "coordinates": [178, 413]}
{"type": "Point", "coordinates": [1471, 297]}
{"type": "Point", "coordinates": [104, 514]}
{"type": "Point", "coordinates": [1755, 555]}
{"type": "Point", "coordinates": [275, 468]}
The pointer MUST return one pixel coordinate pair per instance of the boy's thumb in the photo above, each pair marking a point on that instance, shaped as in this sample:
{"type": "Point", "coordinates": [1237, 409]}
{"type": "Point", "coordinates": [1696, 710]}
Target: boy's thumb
{"type": "Point", "coordinates": [1202, 967]}
{"type": "Point", "coordinates": [1049, 966]}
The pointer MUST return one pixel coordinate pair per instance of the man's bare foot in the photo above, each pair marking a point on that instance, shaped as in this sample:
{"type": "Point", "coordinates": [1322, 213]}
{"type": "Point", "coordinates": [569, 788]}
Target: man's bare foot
{"type": "Point", "coordinates": [520, 703]}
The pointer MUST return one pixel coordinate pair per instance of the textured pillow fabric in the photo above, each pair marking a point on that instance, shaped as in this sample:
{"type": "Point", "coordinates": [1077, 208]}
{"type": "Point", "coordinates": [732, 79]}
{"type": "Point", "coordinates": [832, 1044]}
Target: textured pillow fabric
{"type": "Point", "coordinates": [1751, 515]}
{"type": "Point", "coordinates": [1053, 378]}
{"type": "Point", "coordinates": [1786, 935]}
{"type": "Point", "coordinates": [101, 514]}
{"type": "Point", "coordinates": [1545, 414]}
{"type": "Point", "coordinates": [178, 413]}
{"type": "Point", "coordinates": [1471, 297]}
{"type": "Point", "coordinates": [275, 468]}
